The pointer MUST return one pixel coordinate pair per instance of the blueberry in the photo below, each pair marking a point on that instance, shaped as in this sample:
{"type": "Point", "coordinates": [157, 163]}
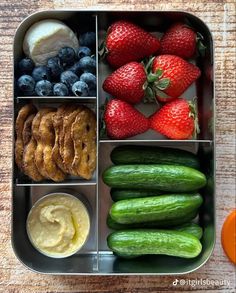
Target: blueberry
{"type": "Point", "coordinates": [76, 68]}
{"type": "Point", "coordinates": [83, 51]}
{"type": "Point", "coordinates": [80, 89]}
{"type": "Point", "coordinates": [41, 73]}
{"type": "Point", "coordinates": [92, 93]}
{"type": "Point", "coordinates": [54, 66]}
{"type": "Point", "coordinates": [43, 88]}
{"type": "Point", "coordinates": [68, 78]}
{"type": "Point", "coordinates": [67, 55]}
{"type": "Point", "coordinates": [87, 64]}
{"type": "Point", "coordinates": [60, 89]}
{"type": "Point", "coordinates": [90, 79]}
{"type": "Point", "coordinates": [26, 65]}
{"type": "Point", "coordinates": [87, 39]}
{"type": "Point", "coordinates": [26, 83]}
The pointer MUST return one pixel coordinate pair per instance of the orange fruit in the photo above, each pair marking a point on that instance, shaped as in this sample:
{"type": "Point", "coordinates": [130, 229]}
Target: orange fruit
{"type": "Point", "coordinates": [228, 236]}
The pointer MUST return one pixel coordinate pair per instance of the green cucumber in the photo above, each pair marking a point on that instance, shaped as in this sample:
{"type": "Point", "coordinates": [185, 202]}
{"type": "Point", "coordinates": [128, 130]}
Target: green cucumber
{"type": "Point", "coordinates": [154, 209]}
{"type": "Point", "coordinates": [112, 224]}
{"type": "Point", "coordinates": [149, 241]}
{"type": "Point", "coordinates": [130, 154]}
{"type": "Point", "coordinates": [158, 177]}
{"type": "Point", "coordinates": [119, 194]}
{"type": "Point", "coordinates": [190, 228]}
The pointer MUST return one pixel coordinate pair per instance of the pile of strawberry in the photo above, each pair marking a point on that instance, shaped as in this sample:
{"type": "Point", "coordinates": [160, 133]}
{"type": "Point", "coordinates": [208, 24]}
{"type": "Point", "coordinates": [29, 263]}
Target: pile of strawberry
{"type": "Point", "coordinates": [165, 77]}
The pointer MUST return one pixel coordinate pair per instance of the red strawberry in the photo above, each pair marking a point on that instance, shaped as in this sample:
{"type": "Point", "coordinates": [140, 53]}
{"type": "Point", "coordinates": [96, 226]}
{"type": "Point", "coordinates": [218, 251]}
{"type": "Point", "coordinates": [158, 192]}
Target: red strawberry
{"type": "Point", "coordinates": [175, 120]}
{"type": "Point", "coordinates": [128, 42]}
{"type": "Point", "coordinates": [122, 120]}
{"type": "Point", "coordinates": [127, 83]}
{"type": "Point", "coordinates": [179, 40]}
{"type": "Point", "coordinates": [176, 76]}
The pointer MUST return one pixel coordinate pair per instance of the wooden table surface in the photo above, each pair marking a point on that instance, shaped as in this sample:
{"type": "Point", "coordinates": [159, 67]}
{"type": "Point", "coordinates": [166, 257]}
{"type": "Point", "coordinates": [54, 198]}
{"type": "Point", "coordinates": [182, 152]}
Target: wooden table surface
{"type": "Point", "coordinates": [220, 17]}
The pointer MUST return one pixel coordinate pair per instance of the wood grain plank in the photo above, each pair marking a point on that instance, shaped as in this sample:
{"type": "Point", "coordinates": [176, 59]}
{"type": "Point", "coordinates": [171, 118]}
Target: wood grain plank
{"type": "Point", "coordinates": [220, 17]}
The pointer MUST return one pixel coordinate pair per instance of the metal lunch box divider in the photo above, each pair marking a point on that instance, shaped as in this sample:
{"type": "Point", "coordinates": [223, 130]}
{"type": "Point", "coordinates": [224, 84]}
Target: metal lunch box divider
{"type": "Point", "coordinates": [95, 258]}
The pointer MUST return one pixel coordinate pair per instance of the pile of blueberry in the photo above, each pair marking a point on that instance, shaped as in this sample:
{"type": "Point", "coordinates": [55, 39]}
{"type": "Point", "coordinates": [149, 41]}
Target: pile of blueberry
{"type": "Point", "coordinates": [69, 73]}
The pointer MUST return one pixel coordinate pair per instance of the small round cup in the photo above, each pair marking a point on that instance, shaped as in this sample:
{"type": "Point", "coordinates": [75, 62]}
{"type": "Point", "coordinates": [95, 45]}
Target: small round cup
{"type": "Point", "coordinates": [78, 197]}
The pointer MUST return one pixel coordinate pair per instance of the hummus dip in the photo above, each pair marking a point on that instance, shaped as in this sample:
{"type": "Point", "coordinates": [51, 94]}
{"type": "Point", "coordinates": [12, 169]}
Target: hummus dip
{"type": "Point", "coordinates": [58, 225]}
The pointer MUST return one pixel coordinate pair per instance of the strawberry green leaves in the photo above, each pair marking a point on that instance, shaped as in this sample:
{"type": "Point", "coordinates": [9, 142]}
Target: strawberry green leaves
{"type": "Point", "coordinates": [162, 84]}
{"type": "Point", "coordinates": [154, 76]}
{"type": "Point", "coordinates": [200, 46]}
{"type": "Point", "coordinates": [103, 131]}
{"type": "Point", "coordinates": [102, 50]}
{"type": "Point", "coordinates": [155, 83]}
{"type": "Point", "coordinates": [194, 114]}
{"type": "Point", "coordinates": [157, 80]}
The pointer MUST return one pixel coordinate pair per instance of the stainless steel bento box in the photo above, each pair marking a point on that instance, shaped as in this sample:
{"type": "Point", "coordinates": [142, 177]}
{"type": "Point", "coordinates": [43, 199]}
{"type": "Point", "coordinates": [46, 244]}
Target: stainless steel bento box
{"type": "Point", "coordinates": [95, 258]}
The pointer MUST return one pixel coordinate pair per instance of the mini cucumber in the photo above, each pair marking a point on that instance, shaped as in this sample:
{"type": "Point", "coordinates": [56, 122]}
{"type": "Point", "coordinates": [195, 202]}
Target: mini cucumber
{"type": "Point", "coordinates": [154, 209]}
{"type": "Point", "coordinates": [130, 154]}
{"type": "Point", "coordinates": [187, 227]}
{"type": "Point", "coordinates": [156, 177]}
{"type": "Point", "coordinates": [119, 194]}
{"type": "Point", "coordinates": [149, 241]}
{"type": "Point", "coordinates": [191, 228]}
{"type": "Point", "coordinates": [112, 224]}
